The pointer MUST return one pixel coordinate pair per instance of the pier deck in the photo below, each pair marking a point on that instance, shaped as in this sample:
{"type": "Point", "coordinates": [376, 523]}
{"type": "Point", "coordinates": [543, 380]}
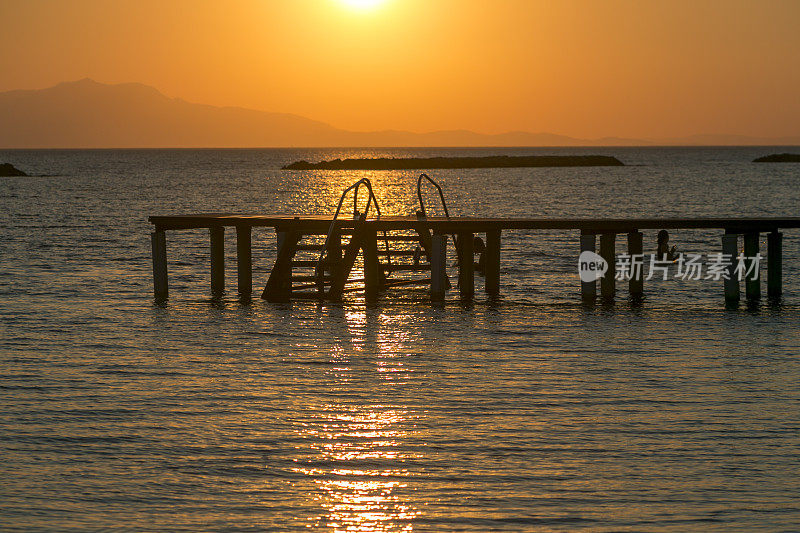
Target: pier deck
{"type": "Point", "coordinates": [478, 224]}
{"type": "Point", "coordinates": [368, 238]}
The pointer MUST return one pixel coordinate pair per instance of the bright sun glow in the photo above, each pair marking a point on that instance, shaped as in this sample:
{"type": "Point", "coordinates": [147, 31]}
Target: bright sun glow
{"type": "Point", "coordinates": [362, 4]}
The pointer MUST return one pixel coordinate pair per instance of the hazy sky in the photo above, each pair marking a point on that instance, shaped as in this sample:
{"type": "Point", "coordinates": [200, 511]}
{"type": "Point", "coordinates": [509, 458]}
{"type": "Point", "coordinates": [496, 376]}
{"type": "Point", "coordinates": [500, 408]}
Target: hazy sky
{"type": "Point", "coordinates": [634, 68]}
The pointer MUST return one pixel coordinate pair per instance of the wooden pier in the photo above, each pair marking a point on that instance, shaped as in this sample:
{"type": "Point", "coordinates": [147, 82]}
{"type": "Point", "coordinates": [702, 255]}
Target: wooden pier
{"type": "Point", "coordinates": [418, 246]}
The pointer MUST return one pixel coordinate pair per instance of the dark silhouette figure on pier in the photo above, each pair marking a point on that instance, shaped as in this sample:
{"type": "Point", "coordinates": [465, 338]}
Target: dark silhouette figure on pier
{"type": "Point", "coordinates": [663, 251]}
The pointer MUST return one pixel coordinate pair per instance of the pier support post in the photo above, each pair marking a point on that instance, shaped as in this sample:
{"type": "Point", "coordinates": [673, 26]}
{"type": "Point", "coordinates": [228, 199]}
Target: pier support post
{"type": "Point", "coordinates": [438, 266]}
{"type": "Point", "coordinates": [279, 284]}
{"type": "Point", "coordinates": [158, 241]}
{"type": "Point", "coordinates": [369, 247]}
{"type": "Point", "coordinates": [588, 288]}
{"type": "Point", "coordinates": [774, 264]}
{"type": "Point", "coordinates": [466, 266]}
{"type": "Point", "coordinates": [730, 247]}
{"type": "Point", "coordinates": [492, 263]}
{"type": "Point", "coordinates": [217, 259]}
{"type": "Point", "coordinates": [607, 282]}
{"type": "Point", "coordinates": [752, 282]}
{"type": "Point", "coordinates": [334, 255]}
{"type": "Point", "coordinates": [244, 262]}
{"type": "Point", "coordinates": [635, 248]}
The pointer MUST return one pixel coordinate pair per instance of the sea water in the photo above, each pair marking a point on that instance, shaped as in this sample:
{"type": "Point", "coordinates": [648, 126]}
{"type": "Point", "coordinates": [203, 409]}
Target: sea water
{"type": "Point", "coordinates": [533, 413]}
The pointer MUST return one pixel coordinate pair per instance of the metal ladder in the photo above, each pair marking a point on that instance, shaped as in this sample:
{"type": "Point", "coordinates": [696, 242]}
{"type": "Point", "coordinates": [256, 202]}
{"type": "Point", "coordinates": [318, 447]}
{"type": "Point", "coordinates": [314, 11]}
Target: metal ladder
{"type": "Point", "coordinates": [324, 258]}
{"type": "Point", "coordinates": [332, 267]}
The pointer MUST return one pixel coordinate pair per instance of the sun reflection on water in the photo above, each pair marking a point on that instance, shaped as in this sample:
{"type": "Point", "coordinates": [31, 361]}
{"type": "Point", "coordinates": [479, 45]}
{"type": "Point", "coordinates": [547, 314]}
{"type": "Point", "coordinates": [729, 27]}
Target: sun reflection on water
{"type": "Point", "coordinates": [356, 468]}
{"type": "Point", "coordinates": [352, 446]}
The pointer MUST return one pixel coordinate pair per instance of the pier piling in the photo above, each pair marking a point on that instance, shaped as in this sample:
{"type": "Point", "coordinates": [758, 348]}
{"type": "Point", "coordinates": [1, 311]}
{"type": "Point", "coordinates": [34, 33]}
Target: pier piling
{"type": "Point", "coordinates": [244, 262]}
{"type": "Point", "coordinates": [636, 248]}
{"type": "Point", "coordinates": [158, 241]}
{"type": "Point", "coordinates": [492, 264]}
{"type": "Point", "coordinates": [466, 266]}
{"type": "Point", "coordinates": [774, 264]}
{"type": "Point", "coordinates": [438, 266]}
{"type": "Point", "coordinates": [608, 281]}
{"type": "Point", "coordinates": [279, 284]}
{"type": "Point", "coordinates": [752, 282]}
{"type": "Point", "coordinates": [217, 234]}
{"type": "Point", "coordinates": [588, 288]}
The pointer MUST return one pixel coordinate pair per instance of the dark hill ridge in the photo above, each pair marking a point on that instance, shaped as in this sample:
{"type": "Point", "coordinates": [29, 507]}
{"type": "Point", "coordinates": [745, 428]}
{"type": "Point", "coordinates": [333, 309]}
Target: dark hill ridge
{"type": "Point", "coordinates": [498, 161]}
{"type": "Point", "coordinates": [778, 158]}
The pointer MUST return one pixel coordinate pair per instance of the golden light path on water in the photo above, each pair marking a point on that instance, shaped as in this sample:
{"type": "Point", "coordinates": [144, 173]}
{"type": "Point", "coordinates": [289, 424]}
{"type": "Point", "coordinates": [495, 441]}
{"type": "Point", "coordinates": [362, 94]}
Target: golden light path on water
{"type": "Point", "coordinates": [359, 468]}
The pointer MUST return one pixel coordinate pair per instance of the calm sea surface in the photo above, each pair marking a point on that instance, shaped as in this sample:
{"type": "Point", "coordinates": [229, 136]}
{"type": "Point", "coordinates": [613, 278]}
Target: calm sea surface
{"type": "Point", "coordinates": [532, 414]}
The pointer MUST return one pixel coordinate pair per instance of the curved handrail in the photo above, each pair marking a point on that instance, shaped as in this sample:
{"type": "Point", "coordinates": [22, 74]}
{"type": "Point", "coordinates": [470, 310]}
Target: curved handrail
{"type": "Point", "coordinates": [424, 176]}
{"type": "Point", "coordinates": [438, 188]}
{"type": "Point", "coordinates": [372, 199]}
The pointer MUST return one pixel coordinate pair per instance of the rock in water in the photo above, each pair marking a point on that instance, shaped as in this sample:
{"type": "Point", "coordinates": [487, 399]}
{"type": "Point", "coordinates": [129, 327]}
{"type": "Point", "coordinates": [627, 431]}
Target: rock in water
{"type": "Point", "coordinates": [7, 169]}
{"type": "Point", "coordinates": [778, 158]}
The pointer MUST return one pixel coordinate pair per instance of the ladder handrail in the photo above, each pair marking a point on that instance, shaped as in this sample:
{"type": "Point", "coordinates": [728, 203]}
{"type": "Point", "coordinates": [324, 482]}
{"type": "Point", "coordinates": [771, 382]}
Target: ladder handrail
{"type": "Point", "coordinates": [359, 217]}
{"type": "Point", "coordinates": [371, 199]}
{"type": "Point", "coordinates": [438, 188]}
{"type": "Point", "coordinates": [356, 214]}
{"type": "Point", "coordinates": [424, 176]}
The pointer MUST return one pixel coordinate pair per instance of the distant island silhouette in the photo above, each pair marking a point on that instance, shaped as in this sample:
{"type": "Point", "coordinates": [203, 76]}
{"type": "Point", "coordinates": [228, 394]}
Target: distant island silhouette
{"type": "Point", "coordinates": [89, 114]}
{"type": "Point", "coordinates": [413, 163]}
{"type": "Point", "coordinates": [8, 170]}
{"type": "Point", "coordinates": [778, 158]}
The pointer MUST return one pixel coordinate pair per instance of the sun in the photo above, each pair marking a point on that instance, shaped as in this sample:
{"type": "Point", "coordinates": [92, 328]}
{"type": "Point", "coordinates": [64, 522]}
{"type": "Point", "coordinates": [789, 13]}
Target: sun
{"type": "Point", "coordinates": [362, 4]}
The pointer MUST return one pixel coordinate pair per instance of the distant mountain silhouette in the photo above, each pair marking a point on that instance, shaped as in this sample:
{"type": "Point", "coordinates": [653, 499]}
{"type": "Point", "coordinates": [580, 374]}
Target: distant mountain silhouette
{"type": "Point", "coordinates": [88, 114]}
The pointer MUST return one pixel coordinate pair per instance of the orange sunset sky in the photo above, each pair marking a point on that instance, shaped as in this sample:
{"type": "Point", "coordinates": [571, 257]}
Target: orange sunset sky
{"type": "Point", "coordinates": [589, 69]}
